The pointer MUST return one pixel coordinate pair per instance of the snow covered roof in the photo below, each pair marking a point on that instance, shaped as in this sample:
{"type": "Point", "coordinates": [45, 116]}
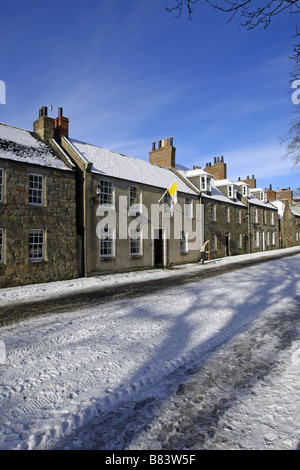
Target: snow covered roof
{"type": "Point", "coordinates": [224, 182]}
{"type": "Point", "coordinates": [197, 172]}
{"type": "Point", "coordinates": [280, 205]}
{"type": "Point", "coordinates": [217, 195]}
{"type": "Point", "coordinates": [22, 146]}
{"type": "Point", "coordinates": [109, 163]}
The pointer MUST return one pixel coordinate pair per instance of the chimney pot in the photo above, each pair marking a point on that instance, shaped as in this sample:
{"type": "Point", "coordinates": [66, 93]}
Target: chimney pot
{"type": "Point", "coordinates": [60, 111]}
{"type": "Point", "coordinates": [153, 145]}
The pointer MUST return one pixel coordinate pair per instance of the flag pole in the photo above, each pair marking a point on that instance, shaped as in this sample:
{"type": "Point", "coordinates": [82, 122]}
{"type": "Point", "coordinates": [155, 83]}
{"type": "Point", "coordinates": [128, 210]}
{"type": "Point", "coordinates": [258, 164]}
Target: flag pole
{"type": "Point", "coordinates": [163, 196]}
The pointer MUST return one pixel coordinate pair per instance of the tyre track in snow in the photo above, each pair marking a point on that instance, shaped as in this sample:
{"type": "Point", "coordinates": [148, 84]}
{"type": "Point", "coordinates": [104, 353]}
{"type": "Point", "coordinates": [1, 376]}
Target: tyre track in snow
{"type": "Point", "coordinates": [10, 314]}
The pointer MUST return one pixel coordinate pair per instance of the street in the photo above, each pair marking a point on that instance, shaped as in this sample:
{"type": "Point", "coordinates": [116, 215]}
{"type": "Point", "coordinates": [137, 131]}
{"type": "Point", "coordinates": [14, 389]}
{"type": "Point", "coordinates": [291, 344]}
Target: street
{"type": "Point", "coordinates": [199, 364]}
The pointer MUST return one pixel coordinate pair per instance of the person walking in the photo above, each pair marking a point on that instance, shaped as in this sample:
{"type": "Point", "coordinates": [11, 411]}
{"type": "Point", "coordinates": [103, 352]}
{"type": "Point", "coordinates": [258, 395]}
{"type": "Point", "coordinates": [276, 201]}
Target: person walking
{"type": "Point", "coordinates": [203, 251]}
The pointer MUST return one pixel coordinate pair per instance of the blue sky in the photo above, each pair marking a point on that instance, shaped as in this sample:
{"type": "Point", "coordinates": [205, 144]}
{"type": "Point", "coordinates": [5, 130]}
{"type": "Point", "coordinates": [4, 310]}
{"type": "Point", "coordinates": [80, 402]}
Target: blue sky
{"type": "Point", "coordinates": [127, 73]}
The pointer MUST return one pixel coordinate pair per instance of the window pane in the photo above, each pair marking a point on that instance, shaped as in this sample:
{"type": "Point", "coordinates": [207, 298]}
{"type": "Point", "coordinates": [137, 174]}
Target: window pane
{"type": "Point", "coordinates": [1, 184]}
{"type": "Point", "coordinates": [36, 189]}
{"type": "Point", "coordinates": [36, 244]}
{"type": "Point", "coordinates": [106, 193]}
{"type": "Point", "coordinates": [1, 245]}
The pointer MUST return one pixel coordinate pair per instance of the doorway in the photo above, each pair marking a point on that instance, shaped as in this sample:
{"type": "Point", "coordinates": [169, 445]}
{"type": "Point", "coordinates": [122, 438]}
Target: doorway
{"type": "Point", "coordinates": [227, 244]}
{"type": "Point", "coordinates": [158, 247]}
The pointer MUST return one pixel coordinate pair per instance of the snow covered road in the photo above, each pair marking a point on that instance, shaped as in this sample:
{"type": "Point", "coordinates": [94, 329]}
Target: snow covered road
{"type": "Point", "coordinates": [148, 372]}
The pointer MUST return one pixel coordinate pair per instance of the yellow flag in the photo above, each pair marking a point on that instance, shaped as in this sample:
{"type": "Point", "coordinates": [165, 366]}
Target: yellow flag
{"type": "Point", "coordinates": [173, 192]}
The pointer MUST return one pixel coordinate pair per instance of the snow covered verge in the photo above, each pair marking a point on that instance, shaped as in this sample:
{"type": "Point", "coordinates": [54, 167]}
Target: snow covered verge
{"type": "Point", "coordinates": [51, 290]}
{"type": "Point", "coordinates": [64, 370]}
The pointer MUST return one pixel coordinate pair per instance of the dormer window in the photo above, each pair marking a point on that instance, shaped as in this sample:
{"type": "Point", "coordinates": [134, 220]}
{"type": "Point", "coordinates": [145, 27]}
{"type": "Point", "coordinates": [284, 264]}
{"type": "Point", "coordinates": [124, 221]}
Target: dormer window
{"type": "Point", "coordinates": [246, 191]}
{"type": "Point", "coordinates": [205, 183]}
{"type": "Point", "coordinates": [231, 191]}
{"type": "Point", "coordinates": [263, 196]}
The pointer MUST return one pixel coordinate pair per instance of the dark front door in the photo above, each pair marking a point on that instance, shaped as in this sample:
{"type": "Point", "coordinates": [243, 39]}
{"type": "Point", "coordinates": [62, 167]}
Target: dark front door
{"type": "Point", "coordinates": [227, 244]}
{"type": "Point", "coordinates": [158, 248]}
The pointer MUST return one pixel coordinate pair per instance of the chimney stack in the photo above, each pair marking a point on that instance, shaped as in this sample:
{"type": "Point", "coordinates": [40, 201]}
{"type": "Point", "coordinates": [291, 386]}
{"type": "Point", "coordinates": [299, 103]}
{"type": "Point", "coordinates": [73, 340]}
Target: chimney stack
{"type": "Point", "coordinates": [61, 126]}
{"type": "Point", "coordinates": [250, 181]}
{"type": "Point", "coordinates": [218, 170]}
{"type": "Point", "coordinates": [164, 155]}
{"type": "Point", "coordinates": [44, 125]}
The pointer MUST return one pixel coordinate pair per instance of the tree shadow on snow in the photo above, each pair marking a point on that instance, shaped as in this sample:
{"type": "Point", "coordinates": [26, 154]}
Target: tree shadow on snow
{"type": "Point", "coordinates": [245, 296]}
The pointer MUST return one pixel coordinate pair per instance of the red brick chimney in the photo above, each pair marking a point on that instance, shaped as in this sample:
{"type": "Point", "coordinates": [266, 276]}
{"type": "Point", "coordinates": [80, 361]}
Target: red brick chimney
{"type": "Point", "coordinates": [61, 125]}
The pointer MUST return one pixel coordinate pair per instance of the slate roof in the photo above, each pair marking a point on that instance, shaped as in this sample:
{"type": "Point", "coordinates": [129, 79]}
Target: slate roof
{"type": "Point", "coordinates": [21, 145]}
{"type": "Point", "coordinates": [116, 165]}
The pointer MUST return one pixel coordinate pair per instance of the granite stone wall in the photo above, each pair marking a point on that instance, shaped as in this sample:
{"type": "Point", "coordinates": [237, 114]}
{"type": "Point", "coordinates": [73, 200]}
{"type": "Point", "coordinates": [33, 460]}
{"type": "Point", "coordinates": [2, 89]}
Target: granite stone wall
{"type": "Point", "coordinates": [54, 220]}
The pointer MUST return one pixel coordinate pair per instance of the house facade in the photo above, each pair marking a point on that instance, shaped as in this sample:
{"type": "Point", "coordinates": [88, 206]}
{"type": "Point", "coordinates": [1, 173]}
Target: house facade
{"type": "Point", "coordinates": [289, 222]}
{"type": "Point", "coordinates": [126, 217]}
{"type": "Point", "coordinates": [37, 211]}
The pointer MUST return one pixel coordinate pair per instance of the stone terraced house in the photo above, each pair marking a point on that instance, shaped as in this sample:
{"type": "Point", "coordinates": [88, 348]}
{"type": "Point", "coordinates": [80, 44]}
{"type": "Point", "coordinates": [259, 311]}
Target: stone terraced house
{"type": "Point", "coordinates": [38, 241]}
{"type": "Point", "coordinates": [70, 208]}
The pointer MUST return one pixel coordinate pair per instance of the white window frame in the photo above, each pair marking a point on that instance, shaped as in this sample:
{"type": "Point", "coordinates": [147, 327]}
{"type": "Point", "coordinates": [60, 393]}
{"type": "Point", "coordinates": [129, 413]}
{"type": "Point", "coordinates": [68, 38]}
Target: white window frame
{"type": "Point", "coordinates": [255, 215]}
{"type": "Point", "coordinates": [239, 215]}
{"type": "Point", "coordinates": [1, 245]}
{"type": "Point", "coordinates": [183, 242]}
{"type": "Point", "coordinates": [272, 218]}
{"type": "Point", "coordinates": [239, 237]}
{"type": "Point", "coordinates": [227, 214]}
{"type": "Point", "coordinates": [205, 183]}
{"type": "Point", "coordinates": [231, 191]}
{"type": "Point", "coordinates": [213, 241]}
{"type": "Point", "coordinates": [36, 245]}
{"type": "Point", "coordinates": [135, 199]}
{"type": "Point", "coordinates": [107, 242]}
{"type": "Point", "coordinates": [136, 243]}
{"type": "Point", "coordinates": [245, 191]}
{"type": "Point", "coordinates": [188, 208]}
{"type": "Point", "coordinates": [256, 239]}
{"type": "Point", "coordinates": [212, 211]}
{"type": "Point", "coordinates": [267, 238]}
{"type": "Point", "coordinates": [106, 194]}
{"type": "Point", "coordinates": [273, 237]}
{"type": "Point", "coordinates": [36, 189]}
{"type": "Point", "coordinates": [262, 196]}
{"type": "Point", "coordinates": [1, 184]}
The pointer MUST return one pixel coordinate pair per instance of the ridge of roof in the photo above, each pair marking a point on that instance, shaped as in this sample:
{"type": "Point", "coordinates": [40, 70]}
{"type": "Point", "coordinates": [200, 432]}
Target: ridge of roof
{"type": "Point", "coordinates": [114, 164]}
